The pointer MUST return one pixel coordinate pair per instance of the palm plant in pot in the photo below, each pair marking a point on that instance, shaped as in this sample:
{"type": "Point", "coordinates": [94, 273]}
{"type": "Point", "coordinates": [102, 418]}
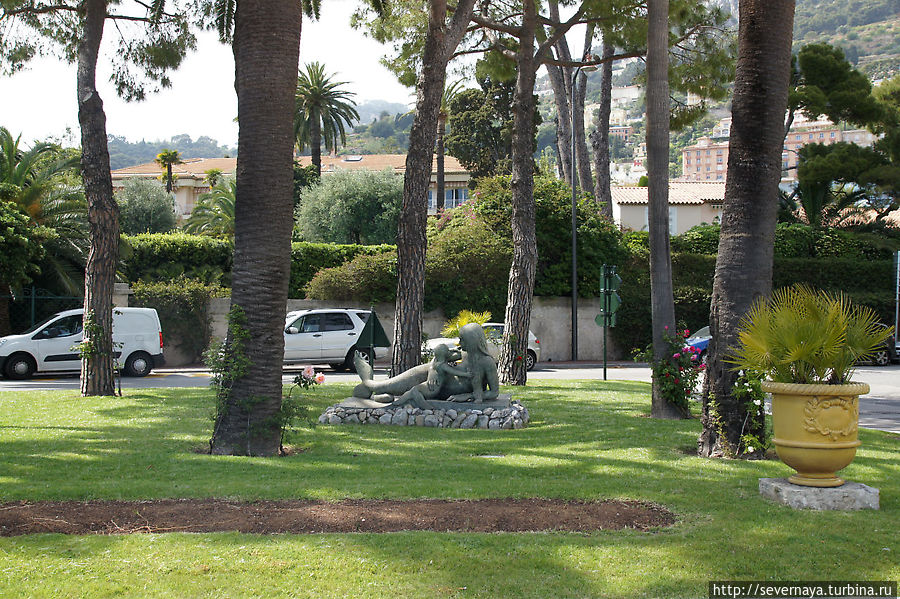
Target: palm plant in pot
{"type": "Point", "coordinates": [807, 343]}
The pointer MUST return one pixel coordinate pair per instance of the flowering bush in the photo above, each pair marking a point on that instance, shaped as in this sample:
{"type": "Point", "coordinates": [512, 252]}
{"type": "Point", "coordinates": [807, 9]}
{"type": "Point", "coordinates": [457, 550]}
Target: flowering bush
{"type": "Point", "coordinates": [308, 377]}
{"type": "Point", "coordinates": [677, 373]}
{"type": "Point", "coordinates": [748, 391]}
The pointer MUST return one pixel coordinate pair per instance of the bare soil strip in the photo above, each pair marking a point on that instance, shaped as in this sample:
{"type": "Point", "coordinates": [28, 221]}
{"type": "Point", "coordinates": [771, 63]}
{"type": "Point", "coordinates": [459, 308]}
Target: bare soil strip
{"type": "Point", "coordinates": [301, 517]}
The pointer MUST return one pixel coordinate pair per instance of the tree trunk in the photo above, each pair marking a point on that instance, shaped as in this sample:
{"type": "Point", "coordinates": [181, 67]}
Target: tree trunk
{"type": "Point", "coordinates": [441, 194]}
{"type": "Point", "coordinates": [559, 82]}
{"type": "Point", "coordinates": [440, 42]}
{"type": "Point", "coordinates": [524, 262]}
{"type": "Point", "coordinates": [315, 142]}
{"type": "Point", "coordinates": [97, 376]}
{"type": "Point", "coordinates": [563, 121]}
{"type": "Point", "coordinates": [168, 177]}
{"type": "Point", "coordinates": [266, 53]}
{"type": "Point", "coordinates": [746, 242]}
{"type": "Point", "coordinates": [661, 300]}
{"type": "Point", "coordinates": [579, 94]}
{"type": "Point", "coordinates": [600, 137]}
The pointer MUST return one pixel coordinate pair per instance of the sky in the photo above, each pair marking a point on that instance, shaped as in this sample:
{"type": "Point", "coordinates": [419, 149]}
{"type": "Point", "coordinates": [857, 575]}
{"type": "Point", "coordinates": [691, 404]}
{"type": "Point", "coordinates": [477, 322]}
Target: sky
{"type": "Point", "coordinates": [39, 103]}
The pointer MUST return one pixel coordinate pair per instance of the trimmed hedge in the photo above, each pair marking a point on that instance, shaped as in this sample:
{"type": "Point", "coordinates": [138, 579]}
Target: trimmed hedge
{"type": "Point", "coordinates": [309, 258]}
{"type": "Point", "coordinates": [165, 256]}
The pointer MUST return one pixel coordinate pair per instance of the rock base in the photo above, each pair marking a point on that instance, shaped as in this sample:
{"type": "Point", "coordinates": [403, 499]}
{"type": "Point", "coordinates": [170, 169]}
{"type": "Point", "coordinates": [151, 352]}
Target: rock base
{"type": "Point", "coordinates": [849, 496]}
{"type": "Point", "coordinates": [515, 416]}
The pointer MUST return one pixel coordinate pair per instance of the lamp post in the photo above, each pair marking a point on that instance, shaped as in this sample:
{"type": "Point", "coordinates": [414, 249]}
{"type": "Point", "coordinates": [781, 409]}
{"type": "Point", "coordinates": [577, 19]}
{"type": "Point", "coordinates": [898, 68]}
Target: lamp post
{"type": "Point", "coordinates": [574, 183]}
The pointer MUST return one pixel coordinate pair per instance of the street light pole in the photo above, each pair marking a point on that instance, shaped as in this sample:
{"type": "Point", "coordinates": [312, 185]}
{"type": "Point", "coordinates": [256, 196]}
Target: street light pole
{"type": "Point", "coordinates": [574, 182]}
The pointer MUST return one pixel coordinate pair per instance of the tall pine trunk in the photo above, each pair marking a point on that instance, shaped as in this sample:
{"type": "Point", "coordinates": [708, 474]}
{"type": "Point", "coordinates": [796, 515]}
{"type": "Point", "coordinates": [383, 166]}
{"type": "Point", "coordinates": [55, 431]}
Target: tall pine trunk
{"type": "Point", "coordinates": [440, 42]}
{"type": "Point", "coordinates": [600, 136]}
{"type": "Point", "coordinates": [266, 53]}
{"type": "Point", "coordinates": [97, 375]}
{"type": "Point", "coordinates": [411, 241]}
{"type": "Point", "coordinates": [524, 262]}
{"type": "Point", "coordinates": [661, 299]}
{"type": "Point", "coordinates": [747, 238]}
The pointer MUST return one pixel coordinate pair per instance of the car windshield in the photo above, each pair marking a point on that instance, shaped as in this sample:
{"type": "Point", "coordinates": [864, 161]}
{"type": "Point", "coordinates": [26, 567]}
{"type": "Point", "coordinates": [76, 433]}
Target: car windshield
{"type": "Point", "coordinates": [704, 332]}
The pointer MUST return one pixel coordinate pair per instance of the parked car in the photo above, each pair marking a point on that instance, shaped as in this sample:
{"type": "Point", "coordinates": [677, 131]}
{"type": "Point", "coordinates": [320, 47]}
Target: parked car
{"type": "Point", "coordinates": [48, 346]}
{"type": "Point", "coordinates": [494, 333]}
{"type": "Point", "coordinates": [700, 340]}
{"type": "Point", "coordinates": [324, 336]}
{"type": "Point", "coordinates": [887, 353]}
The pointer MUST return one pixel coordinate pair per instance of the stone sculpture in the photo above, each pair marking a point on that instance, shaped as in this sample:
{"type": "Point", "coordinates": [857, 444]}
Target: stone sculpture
{"type": "Point", "coordinates": [473, 380]}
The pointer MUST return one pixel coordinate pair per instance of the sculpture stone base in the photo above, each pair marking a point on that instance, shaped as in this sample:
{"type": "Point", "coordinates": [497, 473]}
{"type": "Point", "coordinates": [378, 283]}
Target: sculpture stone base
{"type": "Point", "coordinates": [501, 414]}
{"type": "Point", "coordinates": [849, 496]}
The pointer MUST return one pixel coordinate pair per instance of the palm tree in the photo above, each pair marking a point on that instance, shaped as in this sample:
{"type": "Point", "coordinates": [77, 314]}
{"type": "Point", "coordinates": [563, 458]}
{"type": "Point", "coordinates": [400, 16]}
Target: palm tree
{"type": "Point", "coordinates": [214, 213]}
{"type": "Point", "coordinates": [661, 296]}
{"type": "Point", "coordinates": [166, 159]}
{"type": "Point", "coordinates": [450, 92]}
{"type": "Point", "coordinates": [747, 240]}
{"type": "Point", "coordinates": [33, 180]}
{"type": "Point", "coordinates": [321, 111]}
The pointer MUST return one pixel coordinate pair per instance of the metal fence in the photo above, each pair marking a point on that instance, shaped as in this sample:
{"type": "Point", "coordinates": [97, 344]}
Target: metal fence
{"type": "Point", "coordinates": [32, 306]}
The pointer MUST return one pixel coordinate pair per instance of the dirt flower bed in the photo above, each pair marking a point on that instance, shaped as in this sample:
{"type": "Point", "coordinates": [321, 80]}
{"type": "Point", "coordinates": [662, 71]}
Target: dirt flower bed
{"type": "Point", "coordinates": [292, 516]}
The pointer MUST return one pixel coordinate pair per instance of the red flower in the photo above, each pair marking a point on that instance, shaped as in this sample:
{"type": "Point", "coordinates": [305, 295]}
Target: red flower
{"type": "Point", "coordinates": [676, 381]}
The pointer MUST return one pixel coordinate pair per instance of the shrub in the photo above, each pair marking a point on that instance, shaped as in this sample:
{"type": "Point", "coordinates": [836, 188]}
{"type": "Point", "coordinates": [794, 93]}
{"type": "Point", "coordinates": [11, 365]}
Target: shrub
{"type": "Point", "coordinates": [467, 268]}
{"type": "Point", "coordinates": [365, 278]}
{"type": "Point", "coordinates": [702, 239]}
{"type": "Point", "coordinates": [145, 207]}
{"type": "Point", "coordinates": [309, 258]}
{"type": "Point", "coordinates": [165, 256]}
{"type": "Point", "coordinates": [182, 304]}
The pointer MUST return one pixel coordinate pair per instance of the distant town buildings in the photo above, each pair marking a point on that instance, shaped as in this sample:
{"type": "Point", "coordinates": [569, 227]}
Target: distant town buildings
{"type": "Point", "coordinates": [707, 160]}
{"type": "Point", "coordinates": [191, 176]}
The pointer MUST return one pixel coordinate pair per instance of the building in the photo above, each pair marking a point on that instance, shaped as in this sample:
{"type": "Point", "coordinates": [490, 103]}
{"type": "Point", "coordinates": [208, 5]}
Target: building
{"type": "Point", "coordinates": [691, 203]}
{"type": "Point", "coordinates": [707, 160]}
{"type": "Point", "coordinates": [623, 132]}
{"type": "Point", "coordinates": [191, 180]}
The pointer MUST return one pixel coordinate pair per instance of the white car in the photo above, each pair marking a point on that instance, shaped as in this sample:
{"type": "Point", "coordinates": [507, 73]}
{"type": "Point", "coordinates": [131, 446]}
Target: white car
{"type": "Point", "coordinates": [324, 336]}
{"type": "Point", "coordinates": [48, 346]}
{"type": "Point", "coordinates": [494, 333]}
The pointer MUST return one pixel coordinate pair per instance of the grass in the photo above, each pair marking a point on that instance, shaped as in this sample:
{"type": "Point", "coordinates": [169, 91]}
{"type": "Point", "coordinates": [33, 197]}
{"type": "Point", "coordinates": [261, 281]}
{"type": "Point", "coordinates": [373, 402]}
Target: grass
{"type": "Point", "coordinates": [587, 440]}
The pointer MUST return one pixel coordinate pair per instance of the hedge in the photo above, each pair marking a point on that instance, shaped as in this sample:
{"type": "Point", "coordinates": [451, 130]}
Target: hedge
{"type": "Point", "coordinates": [309, 258]}
{"type": "Point", "coordinates": [165, 256]}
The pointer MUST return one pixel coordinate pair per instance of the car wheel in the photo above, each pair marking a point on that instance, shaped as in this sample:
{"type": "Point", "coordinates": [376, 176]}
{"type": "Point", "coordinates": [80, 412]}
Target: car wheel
{"type": "Point", "coordinates": [881, 358]}
{"type": "Point", "coordinates": [20, 366]}
{"type": "Point", "coordinates": [348, 363]}
{"type": "Point", "coordinates": [530, 360]}
{"type": "Point", "coordinates": [138, 364]}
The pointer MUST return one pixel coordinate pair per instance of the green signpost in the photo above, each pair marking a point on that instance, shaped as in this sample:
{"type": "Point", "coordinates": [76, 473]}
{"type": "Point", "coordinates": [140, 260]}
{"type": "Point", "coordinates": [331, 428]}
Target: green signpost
{"type": "Point", "coordinates": [611, 301]}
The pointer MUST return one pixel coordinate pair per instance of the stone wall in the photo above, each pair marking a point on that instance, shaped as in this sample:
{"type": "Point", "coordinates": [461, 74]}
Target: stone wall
{"type": "Point", "coordinates": [551, 320]}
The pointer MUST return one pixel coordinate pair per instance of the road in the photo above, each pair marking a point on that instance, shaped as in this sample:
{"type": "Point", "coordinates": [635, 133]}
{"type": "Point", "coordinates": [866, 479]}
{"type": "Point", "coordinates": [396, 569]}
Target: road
{"type": "Point", "coordinates": [879, 409]}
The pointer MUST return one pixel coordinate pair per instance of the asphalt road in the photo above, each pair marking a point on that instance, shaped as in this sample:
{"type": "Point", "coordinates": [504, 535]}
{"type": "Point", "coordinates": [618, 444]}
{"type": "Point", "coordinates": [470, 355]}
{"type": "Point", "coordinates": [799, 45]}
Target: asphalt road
{"type": "Point", "coordinates": [879, 409]}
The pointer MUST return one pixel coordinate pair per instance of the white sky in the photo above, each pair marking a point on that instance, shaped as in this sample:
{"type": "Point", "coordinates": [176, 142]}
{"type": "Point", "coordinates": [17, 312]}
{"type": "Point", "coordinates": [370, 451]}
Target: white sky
{"type": "Point", "coordinates": [40, 102]}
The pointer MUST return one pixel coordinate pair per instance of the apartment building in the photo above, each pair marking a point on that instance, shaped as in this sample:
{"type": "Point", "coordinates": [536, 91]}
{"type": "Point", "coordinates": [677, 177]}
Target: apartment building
{"type": "Point", "coordinates": [707, 160]}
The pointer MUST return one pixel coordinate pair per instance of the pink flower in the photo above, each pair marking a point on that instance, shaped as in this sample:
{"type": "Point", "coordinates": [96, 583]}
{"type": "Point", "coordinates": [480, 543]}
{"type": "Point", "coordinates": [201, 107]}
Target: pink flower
{"type": "Point", "coordinates": [676, 355]}
{"type": "Point", "coordinates": [666, 327]}
{"type": "Point", "coordinates": [309, 372]}
{"type": "Point", "coordinates": [687, 333]}
{"type": "Point", "coordinates": [702, 366]}
{"type": "Point", "coordinates": [694, 358]}
{"type": "Point", "coordinates": [320, 378]}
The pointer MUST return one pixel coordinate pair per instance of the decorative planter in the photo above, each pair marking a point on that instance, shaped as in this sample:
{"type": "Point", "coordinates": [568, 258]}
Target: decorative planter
{"type": "Point", "coordinates": [815, 429]}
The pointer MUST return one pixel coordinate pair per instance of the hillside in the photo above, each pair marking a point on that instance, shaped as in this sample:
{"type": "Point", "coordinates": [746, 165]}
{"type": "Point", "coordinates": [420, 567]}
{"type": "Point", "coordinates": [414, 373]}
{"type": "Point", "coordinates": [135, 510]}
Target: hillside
{"type": "Point", "coordinates": [867, 30]}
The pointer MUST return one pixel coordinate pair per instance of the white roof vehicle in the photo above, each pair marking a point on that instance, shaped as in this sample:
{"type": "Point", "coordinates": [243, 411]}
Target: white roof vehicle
{"type": "Point", "coordinates": [326, 336]}
{"type": "Point", "coordinates": [49, 346]}
{"type": "Point", "coordinates": [494, 333]}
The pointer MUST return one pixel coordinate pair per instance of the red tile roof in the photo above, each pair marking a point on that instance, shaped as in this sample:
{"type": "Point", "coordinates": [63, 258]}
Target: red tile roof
{"type": "Point", "coordinates": [680, 192]}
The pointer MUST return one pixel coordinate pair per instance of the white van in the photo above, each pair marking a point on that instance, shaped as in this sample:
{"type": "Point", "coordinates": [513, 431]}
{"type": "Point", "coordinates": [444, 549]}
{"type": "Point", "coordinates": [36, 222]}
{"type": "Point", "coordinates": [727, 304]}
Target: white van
{"type": "Point", "coordinates": [47, 347]}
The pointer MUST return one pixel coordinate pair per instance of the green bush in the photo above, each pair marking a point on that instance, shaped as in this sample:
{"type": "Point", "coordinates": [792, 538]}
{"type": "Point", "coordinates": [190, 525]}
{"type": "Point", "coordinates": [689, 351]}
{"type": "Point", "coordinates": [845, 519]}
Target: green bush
{"type": "Point", "coordinates": [166, 256]}
{"type": "Point", "coordinates": [183, 305]}
{"type": "Point", "coordinates": [702, 239]}
{"type": "Point", "coordinates": [599, 242]}
{"type": "Point", "coordinates": [368, 278]}
{"type": "Point", "coordinates": [792, 240]}
{"type": "Point", "coordinates": [309, 258]}
{"type": "Point", "coordinates": [467, 269]}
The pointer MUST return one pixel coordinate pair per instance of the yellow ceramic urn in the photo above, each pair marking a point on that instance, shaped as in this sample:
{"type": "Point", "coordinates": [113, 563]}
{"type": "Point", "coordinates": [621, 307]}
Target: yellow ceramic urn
{"type": "Point", "coordinates": [815, 429]}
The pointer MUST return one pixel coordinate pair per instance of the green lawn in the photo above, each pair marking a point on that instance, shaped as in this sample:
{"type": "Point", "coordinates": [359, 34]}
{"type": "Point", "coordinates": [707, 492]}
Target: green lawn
{"type": "Point", "coordinates": [587, 440]}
